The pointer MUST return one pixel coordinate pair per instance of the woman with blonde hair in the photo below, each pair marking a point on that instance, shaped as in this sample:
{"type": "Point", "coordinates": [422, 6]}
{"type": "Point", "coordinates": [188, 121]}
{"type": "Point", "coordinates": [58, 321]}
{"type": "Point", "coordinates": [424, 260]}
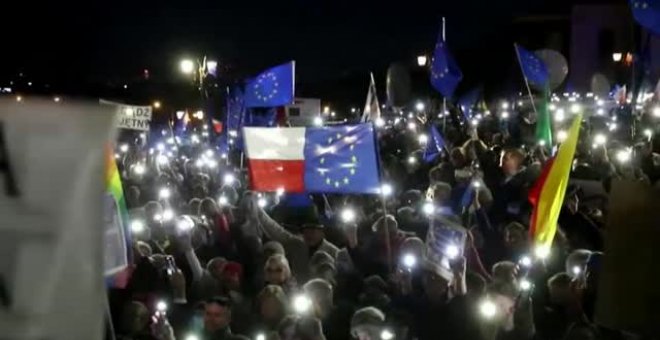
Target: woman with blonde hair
{"type": "Point", "coordinates": [278, 272]}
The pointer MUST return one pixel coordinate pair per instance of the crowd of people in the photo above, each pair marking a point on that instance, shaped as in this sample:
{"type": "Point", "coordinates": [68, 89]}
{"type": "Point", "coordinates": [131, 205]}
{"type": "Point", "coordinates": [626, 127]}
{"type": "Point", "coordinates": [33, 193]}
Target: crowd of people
{"type": "Point", "coordinates": [213, 260]}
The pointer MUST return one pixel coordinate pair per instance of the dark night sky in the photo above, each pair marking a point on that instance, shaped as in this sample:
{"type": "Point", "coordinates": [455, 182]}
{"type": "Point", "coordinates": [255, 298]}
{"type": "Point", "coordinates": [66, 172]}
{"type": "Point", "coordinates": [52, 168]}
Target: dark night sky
{"type": "Point", "coordinates": [78, 42]}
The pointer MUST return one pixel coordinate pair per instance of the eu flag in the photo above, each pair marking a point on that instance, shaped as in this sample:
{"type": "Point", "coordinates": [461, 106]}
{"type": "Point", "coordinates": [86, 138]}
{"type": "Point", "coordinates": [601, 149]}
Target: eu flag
{"type": "Point", "coordinates": [533, 68]}
{"type": "Point", "coordinates": [341, 159]}
{"type": "Point", "coordinates": [434, 146]}
{"type": "Point", "coordinates": [445, 74]}
{"type": "Point", "coordinates": [235, 109]}
{"type": "Point", "coordinates": [467, 102]}
{"type": "Point", "coordinates": [273, 87]}
{"type": "Point", "coordinates": [647, 14]}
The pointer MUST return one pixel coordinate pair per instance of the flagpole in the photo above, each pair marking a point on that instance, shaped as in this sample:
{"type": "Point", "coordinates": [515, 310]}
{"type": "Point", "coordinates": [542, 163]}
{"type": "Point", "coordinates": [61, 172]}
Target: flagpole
{"type": "Point", "coordinates": [444, 99]}
{"type": "Point", "coordinates": [529, 90]}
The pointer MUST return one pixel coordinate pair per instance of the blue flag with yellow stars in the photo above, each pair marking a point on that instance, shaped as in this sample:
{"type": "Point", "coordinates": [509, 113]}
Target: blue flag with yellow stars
{"type": "Point", "coordinates": [445, 74]}
{"type": "Point", "coordinates": [647, 14]}
{"type": "Point", "coordinates": [533, 68]}
{"type": "Point", "coordinates": [435, 146]}
{"type": "Point", "coordinates": [273, 87]}
{"type": "Point", "coordinates": [341, 159]}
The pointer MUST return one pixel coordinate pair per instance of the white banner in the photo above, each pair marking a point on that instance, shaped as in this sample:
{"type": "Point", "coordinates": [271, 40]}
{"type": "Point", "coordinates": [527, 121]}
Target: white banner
{"type": "Point", "coordinates": [131, 117]}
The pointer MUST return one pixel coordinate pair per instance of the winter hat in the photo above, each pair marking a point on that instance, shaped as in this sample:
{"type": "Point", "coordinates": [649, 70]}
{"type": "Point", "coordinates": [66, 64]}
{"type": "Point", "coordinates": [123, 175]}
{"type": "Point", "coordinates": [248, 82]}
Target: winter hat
{"type": "Point", "coordinates": [319, 257]}
{"type": "Point", "coordinates": [392, 225]}
{"type": "Point", "coordinates": [273, 247]}
{"type": "Point", "coordinates": [367, 319]}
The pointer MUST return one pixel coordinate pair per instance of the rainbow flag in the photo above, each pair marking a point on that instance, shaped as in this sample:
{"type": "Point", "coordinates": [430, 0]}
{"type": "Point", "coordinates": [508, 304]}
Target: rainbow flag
{"type": "Point", "coordinates": [117, 247]}
{"type": "Point", "coordinates": [547, 194]}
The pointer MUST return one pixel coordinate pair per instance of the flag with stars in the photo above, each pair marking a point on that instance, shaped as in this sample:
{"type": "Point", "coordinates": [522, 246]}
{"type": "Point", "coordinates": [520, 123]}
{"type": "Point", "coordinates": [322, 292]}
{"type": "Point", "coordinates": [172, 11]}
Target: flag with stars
{"type": "Point", "coordinates": [445, 74]}
{"type": "Point", "coordinates": [332, 159]}
{"type": "Point", "coordinates": [533, 68]}
{"type": "Point", "coordinates": [468, 101]}
{"type": "Point", "coordinates": [647, 14]}
{"type": "Point", "coordinates": [435, 146]}
{"type": "Point", "coordinates": [273, 87]}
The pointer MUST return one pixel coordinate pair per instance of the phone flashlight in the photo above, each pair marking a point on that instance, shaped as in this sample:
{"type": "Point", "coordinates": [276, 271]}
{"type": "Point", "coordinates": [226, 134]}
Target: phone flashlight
{"type": "Point", "coordinates": [137, 226]}
{"type": "Point", "coordinates": [386, 334]}
{"type": "Point", "coordinates": [168, 214]}
{"type": "Point", "coordinates": [347, 215]}
{"type": "Point", "coordinates": [301, 304]}
{"type": "Point", "coordinates": [525, 285]}
{"type": "Point", "coordinates": [409, 260]}
{"type": "Point", "coordinates": [428, 208]}
{"type": "Point", "coordinates": [164, 193]}
{"type": "Point", "coordinates": [488, 309]}
{"type": "Point", "coordinates": [452, 251]}
{"type": "Point", "coordinates": [161, 306]}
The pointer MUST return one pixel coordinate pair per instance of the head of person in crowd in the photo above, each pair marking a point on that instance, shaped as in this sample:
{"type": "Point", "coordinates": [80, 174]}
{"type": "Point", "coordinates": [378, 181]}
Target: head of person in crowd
{"type": "Point", "coordinates": [439, 193]}
{"type": "Point", "coordinates": [277, 270]}
{"type": "Point", "coordinates": [458, 158]}
{"type": "Point", "coordinates": [320, 293]}
{"type": "Point", "coordinates": [515, 237]}
{"type": "Point", "coordinates": [216, 266]}
{"type": "Point", "coordinates": [411, 198]}
{"type": "Point", "coordinates": [193, 206]}
{"type": "Point", "coordinates": [271, 248]}
{"type": "Point", "coordinates": [559, 289]}
{"type": "Point", "coordinates": [367, 324]}
{"type": "Point", "coordinates": [272, 305]}
{"type": "Point", "coordinates": [505, 272]}
{"type": "Point", "coordinates": [442, 173]}
{"type": "Point", "coordinates": [313, 234]}
{"type": "Point", "coordinates": [436, 279]}
{"type": "Point", "coordinates": [326, 271]}
{"type": "Point", "coordinates": [154, 212]}
{"type": "Point", "coordinates": [374, 292]}
{"type": "Point", "coordinates": [232, 276]}
{"type": "Point", "coordinates": [414, 246]}
{"type": "Point", "coordinates": [512, 162]}
{"type": "Point", "coordinates": [576, 262]}
{"type": "Point", "coordinates": [134, 319]}
{"type": "Point", "coordinates": [209, 209]}
{"type": "Point", "coordinates": [217, 315]}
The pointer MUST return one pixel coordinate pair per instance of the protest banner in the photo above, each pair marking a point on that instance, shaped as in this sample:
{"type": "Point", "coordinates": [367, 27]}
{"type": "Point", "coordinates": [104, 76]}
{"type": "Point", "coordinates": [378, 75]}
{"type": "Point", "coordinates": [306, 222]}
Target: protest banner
{"type": "Point", "coordinates": [130, 116]}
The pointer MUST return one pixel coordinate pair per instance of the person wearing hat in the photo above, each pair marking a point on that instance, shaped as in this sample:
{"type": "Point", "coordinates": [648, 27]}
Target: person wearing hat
{"type": "Point", "coordinates": [367, 323]}
{"type": "Point", "coordinates": [299, 248]}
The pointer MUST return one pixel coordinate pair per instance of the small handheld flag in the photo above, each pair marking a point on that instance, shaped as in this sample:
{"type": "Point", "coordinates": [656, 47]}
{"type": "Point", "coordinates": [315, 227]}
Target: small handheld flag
{"type": "Point", "coordinates": [435, 145]}
{"type": "Point", "coordinates": [371, 107]}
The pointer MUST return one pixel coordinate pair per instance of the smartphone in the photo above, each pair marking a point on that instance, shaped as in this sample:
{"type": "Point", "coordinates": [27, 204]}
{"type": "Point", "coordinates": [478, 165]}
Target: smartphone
{"type": "Point", "coordinates": [445, 240]}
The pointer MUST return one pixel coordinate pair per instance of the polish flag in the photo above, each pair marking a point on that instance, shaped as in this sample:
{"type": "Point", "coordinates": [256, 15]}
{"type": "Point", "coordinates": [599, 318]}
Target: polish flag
{"type": "Point", "coordinates": [276, 158]}
{"type": "Point", "coordinates": [332, 159]}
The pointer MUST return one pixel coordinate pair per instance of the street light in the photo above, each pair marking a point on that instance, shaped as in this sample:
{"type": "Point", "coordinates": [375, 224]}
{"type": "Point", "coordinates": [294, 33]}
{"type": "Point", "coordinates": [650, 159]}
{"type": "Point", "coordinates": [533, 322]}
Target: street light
{"type": "Point", "coordinates": [187, 66]}
{"type": "Point", "coordinates": [421, 60]}
{"type": "Point", "coordinates": [617, 56]}
{"type": "Point", "coordinates": [419, 106]}
{"type": "Point", "coordinates": [156, 104]}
